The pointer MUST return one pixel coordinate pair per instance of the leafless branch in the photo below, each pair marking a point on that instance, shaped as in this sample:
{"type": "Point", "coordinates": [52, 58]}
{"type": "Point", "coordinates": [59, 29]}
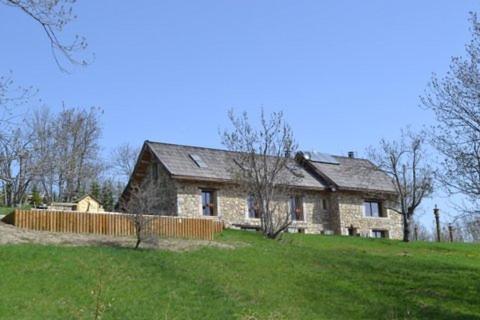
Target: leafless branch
{"type": "Point", "coordinates": [412, 175]}
{"type": "Point", "coordinates": [455, 101]}
{"type": "Point", "coordinates": [53, 16]}
{"type": "Point", "coordinates": [264, 166]}
{"type": "Point", "coordinates": [141, 205]}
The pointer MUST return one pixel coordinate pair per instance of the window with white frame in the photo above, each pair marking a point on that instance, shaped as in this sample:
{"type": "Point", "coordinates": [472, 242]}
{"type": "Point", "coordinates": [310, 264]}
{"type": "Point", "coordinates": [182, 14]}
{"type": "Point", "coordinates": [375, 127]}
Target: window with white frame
{"type": "Point", "coordinates": [253, 209]}
{"type": "Point", "coordinates": [324, 204]}
{"type": "Point", "coordinates": [296, 208]}
{"type": "Point", "coordinates": [208, 203]}
{"type": "Point", "coordinates": [373, 208]}
{"type": "Point", "coordinates": [379, 234]}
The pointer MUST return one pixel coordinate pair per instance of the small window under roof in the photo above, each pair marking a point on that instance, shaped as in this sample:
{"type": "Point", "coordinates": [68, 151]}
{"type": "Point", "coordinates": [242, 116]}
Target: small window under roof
{"type": "Point", "coordinates": [198, 160]}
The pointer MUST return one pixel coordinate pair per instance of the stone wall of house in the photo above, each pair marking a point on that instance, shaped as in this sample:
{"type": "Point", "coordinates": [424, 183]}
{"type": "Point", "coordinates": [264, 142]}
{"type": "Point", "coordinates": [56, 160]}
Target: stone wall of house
{"type": "Point", "coordinates": [317, 218]}
{"type": "Point", "coordinates": [163, 190]}
{"type": "Point", "coordinates": [334, 223]}
{"type": "Point", "coordinates": [344, 209]}
{"type": "Point", "coordinates": [351, 209]}
{"type": "Point", "coordinates": [189, 201]}
{"type": "Point", "coordinates": [231, 205]}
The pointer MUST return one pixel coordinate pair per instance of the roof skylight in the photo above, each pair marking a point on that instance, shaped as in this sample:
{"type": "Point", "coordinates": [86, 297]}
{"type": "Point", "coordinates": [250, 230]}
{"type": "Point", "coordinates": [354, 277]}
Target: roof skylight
{"type": "Point", "coordinates": [198, 161]}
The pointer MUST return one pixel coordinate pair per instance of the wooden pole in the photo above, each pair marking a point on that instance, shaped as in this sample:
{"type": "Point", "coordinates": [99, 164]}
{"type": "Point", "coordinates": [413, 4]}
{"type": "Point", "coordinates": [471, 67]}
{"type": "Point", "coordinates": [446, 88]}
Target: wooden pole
{"type": "Point", "coordinates": [415, 232]}
{"type": "Point", "coordinates": [450, 231]}
{"type": "Point", "coordinates": [436, 212]}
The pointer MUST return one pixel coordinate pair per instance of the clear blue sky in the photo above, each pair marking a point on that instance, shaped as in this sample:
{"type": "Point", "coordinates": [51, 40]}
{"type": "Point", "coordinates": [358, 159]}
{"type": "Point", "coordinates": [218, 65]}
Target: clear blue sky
{"type": "Point", "coordinates": [346, 73]}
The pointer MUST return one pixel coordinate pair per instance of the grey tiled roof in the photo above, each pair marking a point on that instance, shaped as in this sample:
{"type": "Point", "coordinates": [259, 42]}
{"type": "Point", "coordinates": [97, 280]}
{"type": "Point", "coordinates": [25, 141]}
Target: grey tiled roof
{"type": "Point", "coordinates": [177, 160]}
{"type": "Point", "coordinates": [349, 174]}
{"type": "Point", "coordinates": [355, 174]}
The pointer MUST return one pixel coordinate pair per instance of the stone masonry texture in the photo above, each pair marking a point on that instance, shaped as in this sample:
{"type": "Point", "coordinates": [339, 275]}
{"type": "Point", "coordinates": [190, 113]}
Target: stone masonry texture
{"type": "Point", "coordinates": [344, 209]}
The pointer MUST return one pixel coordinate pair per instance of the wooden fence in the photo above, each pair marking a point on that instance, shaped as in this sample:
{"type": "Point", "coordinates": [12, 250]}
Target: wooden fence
{"type": "Point", "coordinates": [114, 224]}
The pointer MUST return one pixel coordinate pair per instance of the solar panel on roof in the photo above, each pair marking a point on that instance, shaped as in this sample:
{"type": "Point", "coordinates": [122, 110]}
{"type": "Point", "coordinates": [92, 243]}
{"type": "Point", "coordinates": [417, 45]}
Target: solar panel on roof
{"type": "Point", "coordinates": [198, 161]}
{"type": "Point", "coordinates": [321, 157]}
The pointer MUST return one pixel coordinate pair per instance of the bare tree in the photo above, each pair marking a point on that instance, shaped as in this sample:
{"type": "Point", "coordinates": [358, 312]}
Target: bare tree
{"type": "Point", "coordinates": [59, 152]}
{"type": "Point", "coordinates": [45, 154]}
{"type": "Point", "coordinates": [455, 101]}
{"type": "Point", "coordinates": [11, 97]}
{"type": "Point", "coordinates": [421, 233]}
{"type": "Point", "coordinates": [263, 166]}
{"type": "Point", "coordinates": [120, 167]}
{"type": "Point", "coordinates": [141, 204]}
{"type": "Point", "coordinates": [53, 16]}
{"type": "Point", "coordinates": [406, 163]}
{"type": "Point", "coordinates": [466, 228]}
{"type": "Point", "coordinates": [16, 168]}
{"type": "Point", "coordinates": [77, 133]}
{"type": "Point", "coordinates": [67, 150]}
{"type": "Point", "coordinates": [123, 160]}
{"type": "Point", "coordinates": [471, 228]}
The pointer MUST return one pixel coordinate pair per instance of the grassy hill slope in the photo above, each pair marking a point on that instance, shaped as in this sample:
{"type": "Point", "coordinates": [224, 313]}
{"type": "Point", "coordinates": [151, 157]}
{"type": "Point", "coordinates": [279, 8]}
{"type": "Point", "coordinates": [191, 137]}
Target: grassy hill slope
{"type": "Point", "coordinates": [300, 277]}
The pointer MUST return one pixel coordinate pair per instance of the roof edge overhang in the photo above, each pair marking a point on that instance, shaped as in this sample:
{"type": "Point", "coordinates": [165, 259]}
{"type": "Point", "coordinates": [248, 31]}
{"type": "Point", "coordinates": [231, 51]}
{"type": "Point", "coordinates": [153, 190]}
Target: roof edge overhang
{"type": "Point", "coordinates": [145, 147]}
{"type": "Point", "coordinates": [231, 181]}
{"type": "Point", "coordinates": [365, 190]}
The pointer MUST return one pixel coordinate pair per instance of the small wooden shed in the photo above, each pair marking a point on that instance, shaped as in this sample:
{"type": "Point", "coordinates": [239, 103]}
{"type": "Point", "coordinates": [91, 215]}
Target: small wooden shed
{"type": "Point", "coordinates": [87, 203]}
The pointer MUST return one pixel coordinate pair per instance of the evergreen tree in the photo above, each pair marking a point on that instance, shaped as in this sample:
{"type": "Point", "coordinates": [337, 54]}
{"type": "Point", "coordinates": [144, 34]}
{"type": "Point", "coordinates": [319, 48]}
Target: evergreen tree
{"type": "Point", "coordinates": [36, 199]}
{"type": "Point", "coordinates": [95, 190]}
{"type": "Point", "coordinates": [107, 198]}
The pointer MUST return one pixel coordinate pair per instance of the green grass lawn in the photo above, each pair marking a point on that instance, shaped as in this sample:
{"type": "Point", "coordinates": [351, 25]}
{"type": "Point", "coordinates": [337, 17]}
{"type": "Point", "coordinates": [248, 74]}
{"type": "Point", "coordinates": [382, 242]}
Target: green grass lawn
{"type": "Point", "coordinates": [5, 210]}
{"type": "Point", "coordinates": [300, 277]}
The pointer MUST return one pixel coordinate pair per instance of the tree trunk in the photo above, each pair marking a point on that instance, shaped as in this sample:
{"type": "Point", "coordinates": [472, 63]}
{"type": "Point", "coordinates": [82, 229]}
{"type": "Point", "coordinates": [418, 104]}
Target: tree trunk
{"type": "Point", "coordinates": [276, 234]}
{"type": "Point", "coordinates": [406, 228]}
{"type": "Point", "coordinates": [10, 200]}
{"type": "Point", "coordinates": [138, 242]}
{"type": "Point", "coordinates": [138, 230]}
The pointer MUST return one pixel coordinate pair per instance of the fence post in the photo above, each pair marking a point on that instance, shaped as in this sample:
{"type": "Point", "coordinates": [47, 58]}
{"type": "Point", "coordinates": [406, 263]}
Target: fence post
{"type": "Point", "coordinates": [436, 212]}
{"type": "Point", "coordinates": [450, 231]}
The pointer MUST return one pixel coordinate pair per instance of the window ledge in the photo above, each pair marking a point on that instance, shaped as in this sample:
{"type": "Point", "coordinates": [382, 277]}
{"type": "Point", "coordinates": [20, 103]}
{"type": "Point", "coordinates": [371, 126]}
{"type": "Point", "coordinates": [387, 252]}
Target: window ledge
{"type": "Point", "coordinates": [378, 218]}
{"type": "Point", "coordinates": [212, 217]}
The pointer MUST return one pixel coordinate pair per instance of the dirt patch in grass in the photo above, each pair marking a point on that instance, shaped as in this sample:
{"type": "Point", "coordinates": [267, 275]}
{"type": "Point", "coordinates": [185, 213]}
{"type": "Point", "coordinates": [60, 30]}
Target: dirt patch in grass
{"type": "Point", "coordinates": [13, 235]}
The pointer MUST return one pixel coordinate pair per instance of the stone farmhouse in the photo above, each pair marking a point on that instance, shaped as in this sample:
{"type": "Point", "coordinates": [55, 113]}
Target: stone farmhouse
{"type": "Point", "coordinates": [335, 194]}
